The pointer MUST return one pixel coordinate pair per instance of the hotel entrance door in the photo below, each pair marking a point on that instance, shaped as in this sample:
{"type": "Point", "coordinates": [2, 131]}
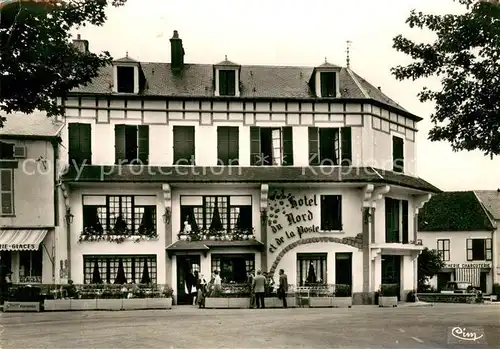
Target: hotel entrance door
{"type": "Point", "coordinates": [186, 265]}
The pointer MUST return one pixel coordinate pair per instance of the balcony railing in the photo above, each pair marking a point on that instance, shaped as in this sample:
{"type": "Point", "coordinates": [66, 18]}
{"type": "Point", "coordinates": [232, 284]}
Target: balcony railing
{"type": "Point", "coordinates": [95, 234]}
{"type": "Point", "coordinates": [224, 235]}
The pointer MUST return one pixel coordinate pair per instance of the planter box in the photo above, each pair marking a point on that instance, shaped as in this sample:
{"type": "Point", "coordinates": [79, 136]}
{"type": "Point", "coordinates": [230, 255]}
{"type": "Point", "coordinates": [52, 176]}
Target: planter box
{"type": "Point", "coordinates": [109, 304]}
{"type": "Point", "coordinates": [238, 303]}
{"type": "Point", "coordinates": [275, 302]}
{"type": "Point", "coordinates": [56, 304]}
{"type": "Point", "coordinates": [341, 302]}
{"type": "Point", "coordinates": [216, 302]}
{"type": "Point", "coordinates": [21, 306]}
{"type": "Point", "coordinates": [387, 301]}
{"type": "Point", "coordinates": [83, 304]}
{"type": "Point", "coordinates": [320, 302]}
{"type": "Point", "coordinates": [134, 303]}
{"type": "Point", "coordinates": [158, 303]}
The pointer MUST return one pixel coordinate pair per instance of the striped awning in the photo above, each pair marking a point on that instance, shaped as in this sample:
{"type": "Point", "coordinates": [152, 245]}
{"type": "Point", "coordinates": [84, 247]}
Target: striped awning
{"type": "Point", "coordinates": [21, 239]}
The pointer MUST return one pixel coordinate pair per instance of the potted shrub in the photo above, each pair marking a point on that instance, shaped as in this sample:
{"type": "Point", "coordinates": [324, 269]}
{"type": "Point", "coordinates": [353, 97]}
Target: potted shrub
{"type": "Point", "coordinates": [159, 297]}
{"type": "Point", "coordinates": [232, 296]}
{"type": "Point", "coordinates": [388, 295]}
{"type": "Point", "coordinates": [343, 297]}
{"type": "Point", "coordinates": [23, 298]}
{"type": "Point", "coordinates": [412, 297]}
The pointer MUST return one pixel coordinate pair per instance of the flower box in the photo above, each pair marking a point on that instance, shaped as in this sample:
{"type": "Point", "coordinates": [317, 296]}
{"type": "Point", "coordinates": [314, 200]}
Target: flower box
{"type": "Point", "coordinates": [320, 302]}
{"type": "Point", "coordinates": [159, 303]}
{"type": "Point", "coordinates": [238, 303]}
{"type": "Point", "coordinates": [83, 304]}
{"type": "Point", "coordinates": [275, 302]}
{"type": "Point", "coordinates": [387, 301]}
{"type": "Point", "coordinates": [109, 304]}
{"type": "Point", "coordinates": [216, 302]}
{"type": "Point", "coordinates": [56, 304]}
{"type": "Point", "coordinates": [134, 303]}
{"type": "Point", "coordinates": [341, 302]}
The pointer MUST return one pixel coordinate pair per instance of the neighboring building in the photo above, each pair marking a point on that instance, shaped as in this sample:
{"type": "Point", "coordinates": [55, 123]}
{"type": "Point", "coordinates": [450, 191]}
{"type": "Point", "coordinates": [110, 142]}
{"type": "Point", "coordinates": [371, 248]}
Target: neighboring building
{"type": "Point", "coordinates": [459, 227]}
{"type": "Point", "coordinates": [491, 200]}
{"type": "Point", "coordinates": [309, 169]}
{"type": "Point", "coordinates": [28, 217]}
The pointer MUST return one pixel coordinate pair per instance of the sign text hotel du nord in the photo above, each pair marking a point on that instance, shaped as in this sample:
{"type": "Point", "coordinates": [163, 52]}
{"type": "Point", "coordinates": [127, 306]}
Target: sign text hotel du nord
{"type": "Point", "coordinates": [285, 205]}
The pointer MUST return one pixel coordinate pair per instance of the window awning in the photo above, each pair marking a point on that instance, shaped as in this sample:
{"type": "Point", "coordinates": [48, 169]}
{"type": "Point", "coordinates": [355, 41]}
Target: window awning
{"type": "Point", "coordinates": [21, 239]}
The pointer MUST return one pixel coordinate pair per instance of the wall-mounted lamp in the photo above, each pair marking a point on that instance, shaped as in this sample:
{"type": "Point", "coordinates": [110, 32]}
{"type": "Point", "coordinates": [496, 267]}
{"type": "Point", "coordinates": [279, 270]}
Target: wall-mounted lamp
{"type": "Point", "coordinates": [263, 216]}
{"type": "Point", "coordinates": [167, 215]}
{"type": "Point", "coordinates": [69, 216]}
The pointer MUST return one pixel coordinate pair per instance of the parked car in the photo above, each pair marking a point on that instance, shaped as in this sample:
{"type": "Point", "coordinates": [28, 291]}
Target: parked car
{"type": "Point", "coordinates": [458, 287]}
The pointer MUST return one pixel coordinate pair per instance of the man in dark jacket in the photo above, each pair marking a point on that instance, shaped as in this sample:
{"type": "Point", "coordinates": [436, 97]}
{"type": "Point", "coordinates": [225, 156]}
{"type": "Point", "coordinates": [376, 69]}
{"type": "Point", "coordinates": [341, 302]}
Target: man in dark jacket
{"type": "Point", "coordinates": [283, 287]}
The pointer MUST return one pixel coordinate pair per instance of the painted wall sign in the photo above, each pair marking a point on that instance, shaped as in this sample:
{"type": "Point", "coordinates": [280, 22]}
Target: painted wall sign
{"type": "Point", "coordinates": [291, 216]}
{"type": "Point", "coordinates": [465, 265]}
{"type": "Point", "coordinates": [17, 247]}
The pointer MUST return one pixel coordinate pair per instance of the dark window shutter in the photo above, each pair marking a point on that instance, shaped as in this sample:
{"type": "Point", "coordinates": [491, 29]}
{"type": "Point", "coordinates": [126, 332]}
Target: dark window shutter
{"type": "Point", "coordinates": [184, 145]}
{"type": "Point", "coordinates": [6, 186]}
{"type": "Point", "coordinates": [231, 81]}
{"type": "Point", "coordinates": [74, 143]}
{"type": "Point", "coordinates": [338, 213]}
{"type": "Point", "coordinates": [288, 146]}
{"type": "Point", "coordinates": [398, 154]}
{"type": "Point", "coordinates": [313, 146]}
{"type": "Point", "coordinates": [346, 139]}
{"type": "Point", "coordinates": [255, 151]}
{"type": "Point", "coordinates": [389, 220]}
{"type": "Point", "coordinates": [234, 145]}
{"type": "Point", "coordinates": [222, 82]}
{"type": "Point", "coordinates": [120, 144]}
{"type": "Point", "coordinates": [143, 143]}
{"type": "Point", "coordinates": [488, 250]}
{"type": "Point", "coordinates": [85, 143]}
{"type": "Point", "coordinates": [327, 146]}
{"type": "Point", "coordinates": [405, 222]}
{"type": "Point", "coordinates": [222, 145]}
{"type": "Point", "coordinates": [6, 150]}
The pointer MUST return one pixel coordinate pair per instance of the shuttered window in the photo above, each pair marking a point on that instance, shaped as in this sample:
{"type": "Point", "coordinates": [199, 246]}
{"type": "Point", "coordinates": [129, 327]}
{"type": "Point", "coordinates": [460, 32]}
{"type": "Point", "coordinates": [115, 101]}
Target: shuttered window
{"type": "Point", "coordinates": [80, 148]}
{"type": "Point", "coordinates": [271, 146]}
{"type": "Point", "coordinates": [131, 144]}
{"type": "Point", "coordinates": [227, 82]}
{"type": "Point", "coordinates": [330, 146]}
{"type": "Point", "coordinates": [398, 154]}
{"type": "Point", "coordinates": [328, 84]}
{"type": "Point", "coordinates": [227, 145]}
{"type": "Point", "coordinates": [391, 220]}
{"type": "Point", "coordinates": [404, 204]}
{"type": "Point", "coordinates": [184, 145]}
{"type": "Point", "coordinates": [479, 249]}
{"type": "Point", "coordinates": [7, 191]}
{"type": "Point", "coordinates": [331, 212]}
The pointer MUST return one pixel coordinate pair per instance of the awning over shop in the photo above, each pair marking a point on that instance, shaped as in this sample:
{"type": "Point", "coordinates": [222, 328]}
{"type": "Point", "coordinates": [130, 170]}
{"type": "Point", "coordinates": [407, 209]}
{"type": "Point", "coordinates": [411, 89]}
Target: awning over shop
{"type": "Point", "coordinates": [21, 239]}
{"type": "Point", "coordinates": [204, 246]}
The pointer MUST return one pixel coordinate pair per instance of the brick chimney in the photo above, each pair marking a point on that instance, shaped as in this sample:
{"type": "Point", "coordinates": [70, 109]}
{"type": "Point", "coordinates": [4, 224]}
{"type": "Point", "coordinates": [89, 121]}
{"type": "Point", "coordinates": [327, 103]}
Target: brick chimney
{"type": "Point", "coordinates": [176, 51]}
{"type": "Point", "coordinates": [81, 45]}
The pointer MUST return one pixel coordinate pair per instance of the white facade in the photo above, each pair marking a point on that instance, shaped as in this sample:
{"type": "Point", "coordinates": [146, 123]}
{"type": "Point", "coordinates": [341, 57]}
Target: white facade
{"type": "Point", "coordinates": [458, 265]}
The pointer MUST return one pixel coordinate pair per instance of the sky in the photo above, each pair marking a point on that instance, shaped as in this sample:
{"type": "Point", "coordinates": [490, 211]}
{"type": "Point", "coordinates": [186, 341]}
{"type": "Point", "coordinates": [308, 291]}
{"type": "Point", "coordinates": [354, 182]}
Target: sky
{"type": "Point", "coordinates": [301, 33]}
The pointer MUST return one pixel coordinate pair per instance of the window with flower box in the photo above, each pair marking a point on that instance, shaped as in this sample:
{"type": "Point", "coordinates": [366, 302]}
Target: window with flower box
{"type": "Point", "coordinates": [216, 213]}
{"type": "Point", "coordinates": [118, 215]}
{"type": "Point", "coordinates": [138, 269]}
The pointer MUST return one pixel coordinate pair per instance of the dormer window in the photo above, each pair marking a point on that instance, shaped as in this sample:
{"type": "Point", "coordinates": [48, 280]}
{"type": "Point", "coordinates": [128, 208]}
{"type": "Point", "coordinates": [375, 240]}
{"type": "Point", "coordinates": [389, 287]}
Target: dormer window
{"type": "Point", "coordinates": [227, 77]}
{"type": "Point", "coordinates": [125, 79]}
{"type": "Point", "coordinates": [126, 75]}
{"type": "Point", "coordinates": [328, 84]}
{"type": "Point", "coordinates": [227, 82]}
{"type": "Point", "coordinates": [325, 81]}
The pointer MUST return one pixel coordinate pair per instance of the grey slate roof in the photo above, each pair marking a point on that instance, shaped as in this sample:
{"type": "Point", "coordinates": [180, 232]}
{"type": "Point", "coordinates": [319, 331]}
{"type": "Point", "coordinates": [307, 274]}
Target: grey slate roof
{"type": "Point", "coordinates": [454, 211]}
{"type": "Point", "coordinates": [31, 125]}
{"type": "Point", "coordinates": [254, 174]}
{"type": "Point", "coordinates": [256, 81]}
{"type": "Point", "coordinates": [491, 200]}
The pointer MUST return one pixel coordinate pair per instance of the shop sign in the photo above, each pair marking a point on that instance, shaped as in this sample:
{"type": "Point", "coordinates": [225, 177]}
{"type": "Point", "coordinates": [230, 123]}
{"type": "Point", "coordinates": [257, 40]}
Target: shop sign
{"type": "Point", "coordinates": [465, 265]}
{"type": "Point", "coordinates": [298, 221]}
{"type": "Point", "coordinates": [21, 306]}
{"type": "Point", "coordinates": [17, 247]}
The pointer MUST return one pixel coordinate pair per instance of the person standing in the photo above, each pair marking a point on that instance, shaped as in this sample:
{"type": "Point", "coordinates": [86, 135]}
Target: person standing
{"type": "Point", "coordinates": [217, 284]}
{"type": "Point", "coordinates": [283, 287]}
{"type": "Point", "coordinates": [250, 277]}
{"type": "Point", "coordinates": [259, 287]}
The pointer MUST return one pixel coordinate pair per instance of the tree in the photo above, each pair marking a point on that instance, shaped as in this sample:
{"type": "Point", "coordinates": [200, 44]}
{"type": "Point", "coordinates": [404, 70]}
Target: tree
{"type": "Point", "coordinates": [466, 58]}
{"type": "Point", "coordinates": [38, 62]}
{"type": "Point", "coordinates": [429, 264]}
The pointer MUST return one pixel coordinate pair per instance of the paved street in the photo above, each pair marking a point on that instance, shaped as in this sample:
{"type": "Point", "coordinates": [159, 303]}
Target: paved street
{"type": "Point", "coordinates": [186, 327]}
